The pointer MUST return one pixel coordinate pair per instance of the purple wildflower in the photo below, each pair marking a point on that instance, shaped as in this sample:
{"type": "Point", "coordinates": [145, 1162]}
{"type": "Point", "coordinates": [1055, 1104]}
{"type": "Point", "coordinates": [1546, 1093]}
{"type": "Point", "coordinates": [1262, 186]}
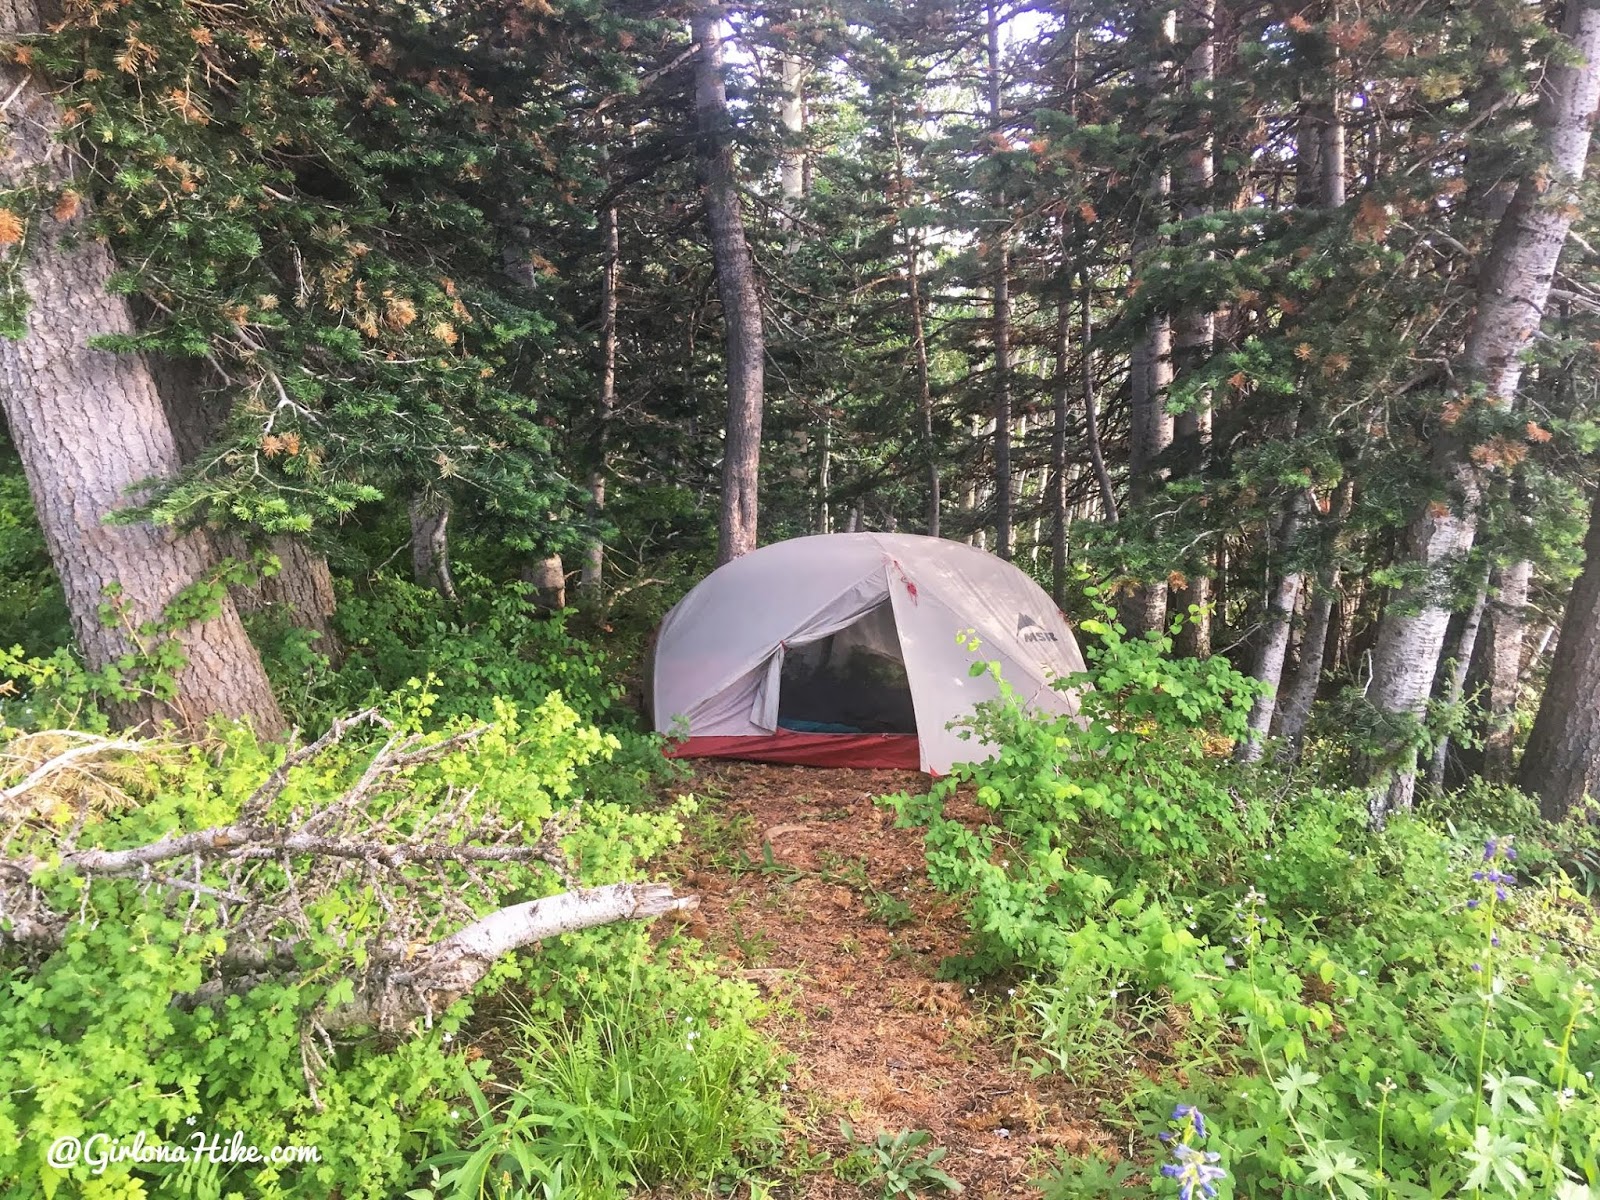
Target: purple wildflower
{"type": "Point", "coordinates": [1194, 1115]}
{"type": "Point", "coordinates": [1489, 849]}
{"type": "Point", "coordinates": [1194, 1169]}
{"type": "Point", "coordinates": [1474, 902]}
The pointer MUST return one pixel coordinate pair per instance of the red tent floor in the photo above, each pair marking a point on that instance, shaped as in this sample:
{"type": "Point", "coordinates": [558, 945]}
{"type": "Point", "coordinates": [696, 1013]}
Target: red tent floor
{"type": "Point", "coordinates": [895, 750]}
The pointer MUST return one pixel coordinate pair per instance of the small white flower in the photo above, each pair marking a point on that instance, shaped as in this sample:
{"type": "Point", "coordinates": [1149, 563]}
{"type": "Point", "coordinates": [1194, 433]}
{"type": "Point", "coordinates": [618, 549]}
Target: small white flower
{"type": "Point", "coordinates": [1011, 991]}
{"type": "Point", "coordinates": [1267, 857]}
{"type": "Point", "coordinates": [455, 1114]}
{"type": "Point", "coordinates": [449, 1037]}
{"type": "Point", "coordinates": [191, 1120]}
{"type": "Point", "coordinates": [1361, 972]}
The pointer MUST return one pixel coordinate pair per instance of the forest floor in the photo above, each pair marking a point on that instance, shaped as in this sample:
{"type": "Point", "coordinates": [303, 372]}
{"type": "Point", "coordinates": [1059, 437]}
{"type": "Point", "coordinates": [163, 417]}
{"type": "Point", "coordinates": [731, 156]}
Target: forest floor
{"type": "Point", "coordinates": [806, 885]}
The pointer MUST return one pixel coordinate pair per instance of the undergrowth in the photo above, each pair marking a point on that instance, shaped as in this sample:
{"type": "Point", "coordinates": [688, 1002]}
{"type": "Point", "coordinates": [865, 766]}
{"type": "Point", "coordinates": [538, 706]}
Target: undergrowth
{"type": "Point", "coordinates": [1398, 1015]}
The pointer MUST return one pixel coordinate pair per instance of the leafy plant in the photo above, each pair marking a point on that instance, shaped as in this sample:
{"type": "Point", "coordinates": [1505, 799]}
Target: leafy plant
{"type": "Point", "coordinates": [892, 1162]}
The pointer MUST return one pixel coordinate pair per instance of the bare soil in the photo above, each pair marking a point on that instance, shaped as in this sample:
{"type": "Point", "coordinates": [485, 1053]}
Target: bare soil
{"type": "Point", "coordinates": [808, 887]}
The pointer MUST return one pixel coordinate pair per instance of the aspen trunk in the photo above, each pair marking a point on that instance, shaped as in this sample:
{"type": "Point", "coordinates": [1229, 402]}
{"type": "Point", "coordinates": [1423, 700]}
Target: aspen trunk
{"type": "Point", "coordinates": [88, 425]}
{"type": "Point", "coordinates": [1301, 693]}
{"type": "Point", "coordinates": [744, 337]}
{"type": "Point", "coordinates": [1513, 288]}
{"type": "Point", "coordinates": [824, 471]}
{"type": "Point", "coordinates": [1274, 646]}
{"type": "Point", "coordinates": [594, 559]}
{"type": "Point", "coordinates": [1456, 681]}
{"type": "Point", "coordinates": [792, 116]}
{"type": "Point", "coordinates": [1562, 761]}
{"type": "Point", "coordinates": [430, 546]}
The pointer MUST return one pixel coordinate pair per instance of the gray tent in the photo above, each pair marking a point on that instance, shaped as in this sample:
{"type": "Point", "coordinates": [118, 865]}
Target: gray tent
{"type": "Point", "coordinates": [847, 650]}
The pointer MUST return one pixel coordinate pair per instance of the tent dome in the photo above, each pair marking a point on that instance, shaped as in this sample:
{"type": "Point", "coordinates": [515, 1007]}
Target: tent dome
{"type": "Point", "coordinates": [848, 650]}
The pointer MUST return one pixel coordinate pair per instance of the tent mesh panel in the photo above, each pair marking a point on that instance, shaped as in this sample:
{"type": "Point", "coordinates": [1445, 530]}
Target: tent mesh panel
{"type": "Point", "coordinates": [853, 681]}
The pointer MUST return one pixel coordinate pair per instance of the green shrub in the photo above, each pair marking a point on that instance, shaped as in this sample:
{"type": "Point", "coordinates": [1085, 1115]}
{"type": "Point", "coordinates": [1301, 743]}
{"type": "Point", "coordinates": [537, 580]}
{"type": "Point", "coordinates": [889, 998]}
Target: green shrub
{"type": "Point", "coordinates": [97, 1035]}
{"type": "Point", "coordinates": [1132, 798]}
{"type": "Point", "coordinates": [1394, 1015]}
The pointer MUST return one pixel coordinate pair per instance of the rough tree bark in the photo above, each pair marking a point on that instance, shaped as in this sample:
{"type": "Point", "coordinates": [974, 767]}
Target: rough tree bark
{"type": "Point", "coordinates": [919, 353]}
{"type": "Point", "coordinates": [89, 425]}
{"type": "Point", "coordinates": [744, 337]}
{"type": "Point", "coordinates": [1001, 325]}
{"type": "Point", "coordinates": [605, 405]}
{"type": "Point", "coordinates": [1060, 400]}
{"type": "Point", "coordinates": [1562, 761]}
{"type": "Point", "coordinates": [547, 583]}
{"type": "Point", "coordinates": [1194, 334]}
{"type": "Point", "coordinates": [1497, 669]}
{"type": "Point", "coordinates": [1091, 411]}
{"type": "Point", "coordinates": [302, 587]}
{"type": "Point", "coordinates": [1512, 291]}
{"type": "Point", "coordinates": [1150, 365]}
{"type": "Point", "coordinates": [430, 545]}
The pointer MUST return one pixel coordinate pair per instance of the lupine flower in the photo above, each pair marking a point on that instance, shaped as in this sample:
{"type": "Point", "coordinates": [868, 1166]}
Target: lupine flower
{"type": "Point", "coordinates": [1194, 1115]}
{"type": "Point", "coordinates": [1194, 1169]}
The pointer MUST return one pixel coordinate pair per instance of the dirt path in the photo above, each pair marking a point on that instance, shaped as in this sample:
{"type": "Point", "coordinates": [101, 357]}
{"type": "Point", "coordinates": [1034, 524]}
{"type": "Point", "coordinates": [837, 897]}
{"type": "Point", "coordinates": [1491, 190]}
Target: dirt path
{"type": "Point", "coordinates": [807, 884]}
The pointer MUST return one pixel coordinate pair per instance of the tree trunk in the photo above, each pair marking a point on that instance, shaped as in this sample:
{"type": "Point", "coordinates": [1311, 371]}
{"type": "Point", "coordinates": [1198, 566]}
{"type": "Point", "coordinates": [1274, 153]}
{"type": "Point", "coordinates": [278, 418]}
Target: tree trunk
{"type": "Point", "coordinates": [302, 587]}
{"type": "Point", "coordinates": [792, 116]}
{"type": "Point", "coordinates": [1301, 693]}
{"type": "Point", "coordinates": [1501, 653]}
{"type": "Point", "coordinates": [88, 425]}
{"type": "Point", "coordinates": [1274, 646]}
{"type": "Point", "coordinates": [1151, 427]}
{"type": "Point", "coordinates": [1091, 414]}
{"type": "Point", "coordinates": [1194, 336]}
{"type": "Point", "coordinates": [744, 337]}
{"type": "Point", "coordinates": [1513, 288]}
{"type": "Point", "coordinates": [430, 546]}
{"type": "Point", "coordinates": [1057, 488]}
{"type": "Point", "coordinates": [605, 407]}
{"type": "Point", "coordinates": [919, 352]}
{"type": "Point", "coordinates": [1561, 763]}
{"type": "Point", "coordinates": [548, 581]}
{"type": "Point", "coordinates": [1456, 682]}
{"type": "Point", "coordinates": [824, 470]}
{"type": "Point", "coordinates": [1001, 327]}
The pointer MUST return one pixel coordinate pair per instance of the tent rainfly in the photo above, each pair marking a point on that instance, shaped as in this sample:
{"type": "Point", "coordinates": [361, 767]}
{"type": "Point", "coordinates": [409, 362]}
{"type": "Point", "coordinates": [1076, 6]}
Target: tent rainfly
{"type": "Point", "coordinates": [845, 650]}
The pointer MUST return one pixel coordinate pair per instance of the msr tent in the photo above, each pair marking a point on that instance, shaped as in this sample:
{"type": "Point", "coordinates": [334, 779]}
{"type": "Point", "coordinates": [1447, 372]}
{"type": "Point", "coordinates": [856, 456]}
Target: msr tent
{"type": "Point", "coordinates": [842, 650]}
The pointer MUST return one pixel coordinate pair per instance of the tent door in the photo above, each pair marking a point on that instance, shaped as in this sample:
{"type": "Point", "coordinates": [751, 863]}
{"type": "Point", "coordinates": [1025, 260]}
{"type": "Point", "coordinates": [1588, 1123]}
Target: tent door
{"type": "Point", "coordinates": [852, 681]}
